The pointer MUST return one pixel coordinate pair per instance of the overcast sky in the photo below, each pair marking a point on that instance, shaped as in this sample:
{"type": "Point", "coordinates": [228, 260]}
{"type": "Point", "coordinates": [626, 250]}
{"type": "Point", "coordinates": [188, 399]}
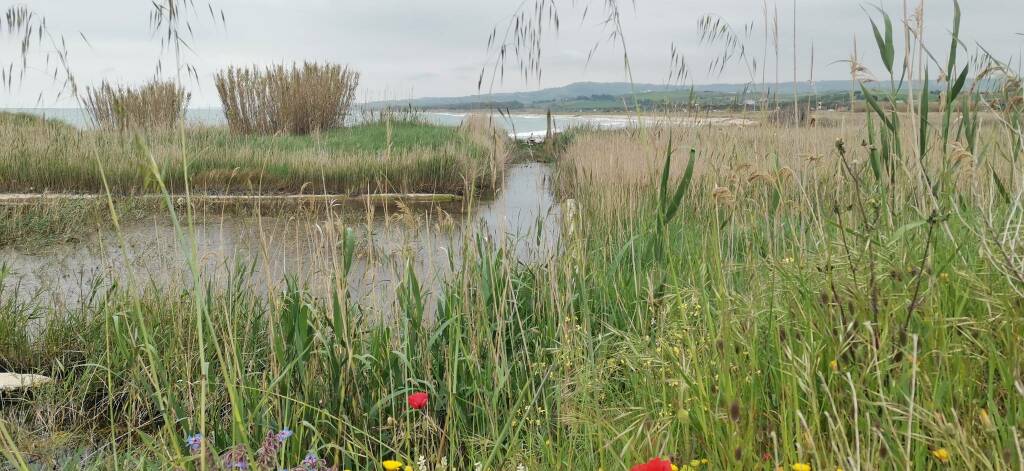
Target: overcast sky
{"type": "Point", "coordinates": [416, 48]}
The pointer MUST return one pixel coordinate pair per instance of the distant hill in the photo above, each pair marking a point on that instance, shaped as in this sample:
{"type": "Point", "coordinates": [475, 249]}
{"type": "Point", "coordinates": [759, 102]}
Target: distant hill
{"type": "Point", "coordinates": [604, 95]}
{"type": "Point", "coordinates": [571, 91]}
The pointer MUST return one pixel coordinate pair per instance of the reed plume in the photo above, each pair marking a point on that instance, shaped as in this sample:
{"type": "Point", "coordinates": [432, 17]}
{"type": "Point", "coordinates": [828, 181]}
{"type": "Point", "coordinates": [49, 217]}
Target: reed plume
{"type": "Point", "coordinates": [155, 105]}
{"type": "Point", "coordinates": [292, 100]}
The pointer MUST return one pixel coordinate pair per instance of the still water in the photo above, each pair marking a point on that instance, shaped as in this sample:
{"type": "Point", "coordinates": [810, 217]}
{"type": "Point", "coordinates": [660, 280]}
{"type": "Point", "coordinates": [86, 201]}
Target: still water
{"type": "Point", "coordinates": [524, 216]}
{"type": "Point", "coordinates": [215, 117]}
{"type": "Point", "coordinates": [519, 123]}
{"type": "Point", "coordinates": [428, 239]}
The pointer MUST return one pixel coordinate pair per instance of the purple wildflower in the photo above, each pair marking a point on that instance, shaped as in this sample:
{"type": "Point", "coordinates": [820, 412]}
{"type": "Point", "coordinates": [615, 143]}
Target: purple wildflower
{"type": "Point", "coordinates": [235, 458]}
{"type": "Point", "coordinates": [310, 461]}
{"type": "Point", "coordinates": [265, 456]}
{"type": "Point", "coordinates": [283, 435]}
{"type": "Point", "coordinates": [195, 442]}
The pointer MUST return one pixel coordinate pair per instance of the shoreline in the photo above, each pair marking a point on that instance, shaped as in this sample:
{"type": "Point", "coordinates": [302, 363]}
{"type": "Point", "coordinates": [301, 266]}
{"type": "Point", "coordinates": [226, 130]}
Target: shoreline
{"type": "Point", "coordinates": [415, 198]}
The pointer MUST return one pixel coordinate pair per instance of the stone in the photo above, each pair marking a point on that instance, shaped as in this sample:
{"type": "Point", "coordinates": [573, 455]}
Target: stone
{"type": "Point", "coordinates": [16, 381]}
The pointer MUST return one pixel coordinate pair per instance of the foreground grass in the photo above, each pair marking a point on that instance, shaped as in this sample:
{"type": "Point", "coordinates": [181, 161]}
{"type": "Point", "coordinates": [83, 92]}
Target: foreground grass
{"type": "Point", "coordinates": [765, 326]}
{"type": "Point", "coordinates": [403, 156]}
{"type": "Point", "coordinates": [842, 298]}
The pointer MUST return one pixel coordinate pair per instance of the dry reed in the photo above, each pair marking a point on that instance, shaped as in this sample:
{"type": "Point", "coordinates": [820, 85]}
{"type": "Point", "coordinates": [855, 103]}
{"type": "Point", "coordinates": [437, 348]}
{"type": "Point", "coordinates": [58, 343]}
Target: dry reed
{"type": "Point", "coordinates": [293, 100]}
{"type": "Point", "coordinates": [800, 163]}
{"type": "Point", "coordinates": [155, 105]}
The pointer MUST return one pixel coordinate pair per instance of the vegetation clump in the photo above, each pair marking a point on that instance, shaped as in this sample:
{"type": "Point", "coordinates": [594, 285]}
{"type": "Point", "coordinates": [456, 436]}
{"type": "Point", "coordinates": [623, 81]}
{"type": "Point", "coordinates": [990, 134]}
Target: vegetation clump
{"type": "Point", "coordinates": [155, 105]}
{"type": "Point", "coordinates": [18, 120]}
{"type": "Point", "coordinates": [292, 100]}
{"type": "Point", "coordinates": [780, 297]}
{"type": "Point", "coordinates": [386, 156]}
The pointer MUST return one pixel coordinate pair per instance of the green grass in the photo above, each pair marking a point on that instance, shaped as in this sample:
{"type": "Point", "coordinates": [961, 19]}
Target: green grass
{"type": "Point", "coordinates": [774, 296]}
{"type": "Point", "coordinates": [649, 336]}
{"type": "Point", "coordinates": [363, 139]}
{"type": "Point", "coordinates": [20, 120]}
{"type": "Point", "coordinates": [38, 225]}
{"type": "Point", "coordinates": [748, 336]}
{"type": "Point", "coordinates": [381, 157]}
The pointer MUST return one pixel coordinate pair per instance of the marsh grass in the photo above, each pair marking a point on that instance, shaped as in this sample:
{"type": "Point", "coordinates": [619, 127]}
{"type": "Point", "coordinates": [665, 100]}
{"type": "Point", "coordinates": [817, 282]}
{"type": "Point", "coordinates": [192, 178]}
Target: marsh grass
{"type": "Point", "coordinates": [294, 100]}
{"type": "Point", "coordinates": [14, 120]}
{"type": "Point", "coordinates": [37, 225]}
{"type": "Point", "coordinates": [753, 296]}
{"type": "Point", "coordinates": [386, 157]}
{"type": "Point", "coordinates": [155, 105]}
{"type": "Point", "coordinates": [756, 331]}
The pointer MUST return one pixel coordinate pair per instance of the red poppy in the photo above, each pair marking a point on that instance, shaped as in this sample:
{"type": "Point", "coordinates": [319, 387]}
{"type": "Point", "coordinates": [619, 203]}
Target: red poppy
{"type": "Point", "coordinates": [656, 464]}
{"type": "Point", "coordinates": [418, 400]}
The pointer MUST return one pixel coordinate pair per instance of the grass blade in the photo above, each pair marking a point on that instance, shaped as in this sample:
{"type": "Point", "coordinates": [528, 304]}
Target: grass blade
{"type": "Point", "coordinates": [683, 188]}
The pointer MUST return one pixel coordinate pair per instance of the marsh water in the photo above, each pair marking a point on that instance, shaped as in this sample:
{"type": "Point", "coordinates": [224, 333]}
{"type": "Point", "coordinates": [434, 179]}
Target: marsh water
{"type": "Point", "coordinates": [514, 123]}
{"type": "Point", "coordinates": [152, 255]}
{"type": "Point", "coordinates": [304, 245]}
{"type": "Point", "coordinates": [215, 117]}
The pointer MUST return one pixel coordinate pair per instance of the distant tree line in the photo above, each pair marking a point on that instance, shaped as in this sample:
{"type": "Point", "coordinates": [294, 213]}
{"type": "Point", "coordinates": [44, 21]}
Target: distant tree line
{"type": "Point", "coordinates": [483, 105]}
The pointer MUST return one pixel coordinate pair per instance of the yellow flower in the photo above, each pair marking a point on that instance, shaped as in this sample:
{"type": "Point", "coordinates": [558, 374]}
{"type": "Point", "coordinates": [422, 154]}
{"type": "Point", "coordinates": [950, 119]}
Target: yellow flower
{"type": "Point", "coordinates": [801, 467]}
{"type": "Point", "coordinates": [695, 463]}
{"type": "Point", "coordinates": [704, 461]}
{"type": "Point", "coordinates": [675, 468]}
{"type": "Point", "coordinates": [941, 454]}
{"type": "Point", "coordinates": [834, 364]}
{"type": "Point", "coordinates": [985, 419]}
{"type": "Point", "coordinates": [392, 465]}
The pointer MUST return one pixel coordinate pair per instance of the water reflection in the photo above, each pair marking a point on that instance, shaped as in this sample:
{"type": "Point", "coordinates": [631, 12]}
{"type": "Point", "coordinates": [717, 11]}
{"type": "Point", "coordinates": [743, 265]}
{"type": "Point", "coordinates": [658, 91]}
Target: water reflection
{"type": "Point", "coordinates": [306, 246]}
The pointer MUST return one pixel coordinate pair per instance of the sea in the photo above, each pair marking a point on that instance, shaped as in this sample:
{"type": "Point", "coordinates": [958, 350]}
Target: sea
{"type": "Point", "coordinates": [520, 124]}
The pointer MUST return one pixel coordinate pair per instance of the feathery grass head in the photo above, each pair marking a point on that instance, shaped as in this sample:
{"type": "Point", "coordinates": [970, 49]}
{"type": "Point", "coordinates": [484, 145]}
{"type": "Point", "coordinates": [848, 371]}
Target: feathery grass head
{"type": "Point", "coordinates": [294, 100]}
{"type": "Point", "coordinates": [155, 105]}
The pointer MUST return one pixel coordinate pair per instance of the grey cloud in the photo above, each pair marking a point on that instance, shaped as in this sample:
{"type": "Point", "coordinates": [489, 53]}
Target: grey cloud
{"type": "Point", "coordinates": [438, 47]}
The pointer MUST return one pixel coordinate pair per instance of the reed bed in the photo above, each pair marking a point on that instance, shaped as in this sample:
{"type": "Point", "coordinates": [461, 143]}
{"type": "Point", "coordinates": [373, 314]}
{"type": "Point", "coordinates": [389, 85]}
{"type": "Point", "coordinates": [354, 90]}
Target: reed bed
{"type": "Point", "coordinates": [386, 157]}
{"type": "Point", "coordinates": [797, 165]}
{"type": "Point", "coordinates": [769, 325]}
{"type": "Point", "coordinates": [293, 100]}
{"type": "Point", "coordinates": [740, 311]}
{"type": "Point", "coordinates": [155, 105]}
{"type": "Point", "coordinates": [741, 298]}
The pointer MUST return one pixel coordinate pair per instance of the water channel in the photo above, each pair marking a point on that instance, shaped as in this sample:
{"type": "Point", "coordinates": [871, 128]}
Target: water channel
{"type": "Point", "coordinates": [150, 255]}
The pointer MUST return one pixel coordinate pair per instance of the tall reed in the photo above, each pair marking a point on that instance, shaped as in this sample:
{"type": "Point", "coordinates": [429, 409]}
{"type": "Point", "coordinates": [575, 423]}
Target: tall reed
{"type": "Point", "coordinates": [779, 298]}
{"type": "Point", "coordinates": [155, 105]}
{"type": "Point", "coordinates": [294, 100]}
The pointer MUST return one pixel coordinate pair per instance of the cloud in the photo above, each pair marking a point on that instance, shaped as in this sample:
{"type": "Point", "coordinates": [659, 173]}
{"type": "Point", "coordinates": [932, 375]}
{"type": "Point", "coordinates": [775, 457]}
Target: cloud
{"type": "Point", "coordinates": [438, 48]}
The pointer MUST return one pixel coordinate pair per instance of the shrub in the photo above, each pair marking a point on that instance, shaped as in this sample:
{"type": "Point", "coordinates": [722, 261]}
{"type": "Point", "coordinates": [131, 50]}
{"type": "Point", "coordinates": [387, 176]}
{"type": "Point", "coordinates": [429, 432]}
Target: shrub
{"type": "Point", "coordinates": [293, 100]}
{"type": "Point", "coordinates": [155, 105]}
